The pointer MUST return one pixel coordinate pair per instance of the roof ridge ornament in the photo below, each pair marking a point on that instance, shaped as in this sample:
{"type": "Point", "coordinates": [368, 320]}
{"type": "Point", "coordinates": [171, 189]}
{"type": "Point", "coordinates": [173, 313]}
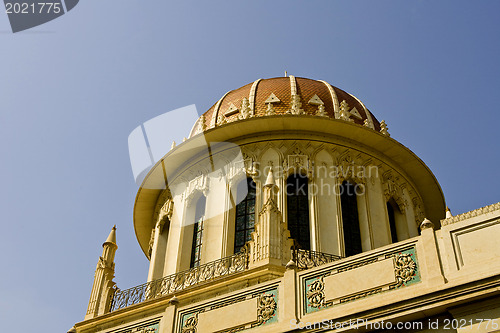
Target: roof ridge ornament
{"type": "Point", "coordinates": [272, 99]}
{"type": "Point", "coordinates": [295, 105]}
{"type": "Point", "coordinates": [344, 111]}
{"type": "Point", "coordinates": [231, 110]}
{"type": "Point", "coordinates": [315, 100]}
{"type": "Point", "coordinates": [383, 128]}
{"type": "Point", "coordinates": [321, 111]}
{"type": "Point", "coordinates": [269, 101]}
{"type": "Point", "coordinates": [354, 112]}
{"type": "Point", "coordinates": [245, 112]}
{"type": "Point", "coordinates": [369, 122]}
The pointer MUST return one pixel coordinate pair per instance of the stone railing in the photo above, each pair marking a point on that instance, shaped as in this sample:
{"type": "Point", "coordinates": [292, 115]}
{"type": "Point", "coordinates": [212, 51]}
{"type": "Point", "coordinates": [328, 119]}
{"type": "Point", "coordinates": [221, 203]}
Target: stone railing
{"type": "Point", "coordinates": [305, 259]}
{"type": "Point", "coordinates": [180, 281]}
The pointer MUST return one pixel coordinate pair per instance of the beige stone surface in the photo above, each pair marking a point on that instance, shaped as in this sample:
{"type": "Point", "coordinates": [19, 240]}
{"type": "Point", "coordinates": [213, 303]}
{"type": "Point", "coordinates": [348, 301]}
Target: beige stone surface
{"type": "Point", "coordinates": [237, 314]}
{"type": "Point", "coordinates": [356, 280]}
{"type": "Point", "coordinates": [477, 243]}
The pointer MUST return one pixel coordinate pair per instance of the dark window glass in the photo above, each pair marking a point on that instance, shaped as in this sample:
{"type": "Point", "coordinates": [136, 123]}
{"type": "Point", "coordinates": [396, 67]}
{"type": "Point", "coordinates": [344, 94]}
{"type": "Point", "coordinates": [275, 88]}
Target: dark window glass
{"type": "Point", "coordinates": [198, 232]}
{"type": "Point", "coordinates": [350, 219]}
{"type": "Point", "coordinates": [298, 210]}
{"type": "Point", "coordinates": [245, 214]}
{"type": "Point", "coordinates": [392, 222]}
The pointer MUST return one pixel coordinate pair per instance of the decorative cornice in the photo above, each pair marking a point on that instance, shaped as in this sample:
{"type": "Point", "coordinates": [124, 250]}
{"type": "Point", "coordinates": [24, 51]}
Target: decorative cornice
{"type": "Point", "coordinates": [471, 214]}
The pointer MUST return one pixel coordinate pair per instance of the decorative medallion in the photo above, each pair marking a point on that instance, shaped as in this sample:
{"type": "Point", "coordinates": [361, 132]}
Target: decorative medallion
{"type": "Point", "coordinates": [266, 308]}
{"type": "Point", "coordinates": [190, 324]}
{"type": "Point", "coordinates": [316, 293]}
{"type": "Point", "coordinates": [405, 268]}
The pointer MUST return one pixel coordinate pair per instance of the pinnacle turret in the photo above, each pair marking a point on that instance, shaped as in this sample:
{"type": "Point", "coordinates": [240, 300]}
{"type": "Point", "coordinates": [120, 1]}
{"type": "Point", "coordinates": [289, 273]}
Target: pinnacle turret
{"type": "Point", "coordinates": [112, 236]}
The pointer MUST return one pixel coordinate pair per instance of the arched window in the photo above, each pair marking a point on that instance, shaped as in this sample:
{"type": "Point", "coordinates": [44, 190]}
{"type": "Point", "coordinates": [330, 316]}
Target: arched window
{"type": "Point", "coordinates": [392, 222]}
{"type": "Point", "coordinates": [245, 214]}
{"type": "Point", "coordinates": [198, 232]}
{"type": "Point", "coordinates": [350, 219]}
{"type": "Point", "coordinates": [298, 209]}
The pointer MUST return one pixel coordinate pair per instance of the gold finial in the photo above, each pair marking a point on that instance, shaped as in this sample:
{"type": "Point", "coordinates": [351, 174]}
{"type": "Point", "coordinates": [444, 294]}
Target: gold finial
{"type": "Point", "coordinates": [286, 74]}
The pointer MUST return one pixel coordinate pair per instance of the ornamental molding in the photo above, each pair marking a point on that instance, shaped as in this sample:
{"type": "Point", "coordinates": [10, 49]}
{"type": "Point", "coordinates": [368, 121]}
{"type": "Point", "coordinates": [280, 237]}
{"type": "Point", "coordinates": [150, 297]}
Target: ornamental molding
{"type": "Point", "coordinates": [393, 188]}
{"type": "Point", "coordinates": [165, 213]}
{"type": "Point", "coordinates": [298, 162]}
{"type": "Point", "coordinates": [350, 168]}
{"type": "Point", "coordinates": [195, 186]}
{"type": "Point", "coordinates": [151, 243]}
{"type": "Point", "coordinates": [471, 214]}
{"type": "Point", "coordinates": [144, 330]}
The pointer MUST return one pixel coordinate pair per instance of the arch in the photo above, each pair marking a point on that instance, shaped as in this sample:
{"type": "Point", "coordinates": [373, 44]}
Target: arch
{"type": "Point", "coordinates": [297, 195]}
{"type": "Point", "coordinates": [244, 219]}
{"type": "Point", "coordinates": [197, 240]}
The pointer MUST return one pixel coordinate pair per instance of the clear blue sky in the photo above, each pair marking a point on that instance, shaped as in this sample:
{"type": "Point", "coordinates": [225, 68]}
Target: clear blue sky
{"type": "Point", "coordinates": [73, 89]}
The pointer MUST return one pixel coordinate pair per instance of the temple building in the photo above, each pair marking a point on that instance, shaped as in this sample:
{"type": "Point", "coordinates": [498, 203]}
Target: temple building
{"type": "Point", "coordinates": [289, 208]}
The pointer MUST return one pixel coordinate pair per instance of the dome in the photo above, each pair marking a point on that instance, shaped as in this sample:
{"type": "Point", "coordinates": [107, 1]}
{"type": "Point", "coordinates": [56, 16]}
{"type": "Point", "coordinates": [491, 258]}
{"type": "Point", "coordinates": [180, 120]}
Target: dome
{"type": "Point", "coordinates": [294, 126]}
{"type": "Point", "coordinates": [286, 95]}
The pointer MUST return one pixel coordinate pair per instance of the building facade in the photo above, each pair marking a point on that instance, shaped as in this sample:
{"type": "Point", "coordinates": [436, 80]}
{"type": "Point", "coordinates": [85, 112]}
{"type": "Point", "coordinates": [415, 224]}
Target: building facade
{"type": "Point", "coordinates": [290, 208]}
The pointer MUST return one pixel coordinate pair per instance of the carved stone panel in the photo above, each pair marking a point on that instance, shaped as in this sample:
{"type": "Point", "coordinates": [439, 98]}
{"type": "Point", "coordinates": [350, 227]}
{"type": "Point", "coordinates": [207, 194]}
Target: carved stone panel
{"type": "Point", "coordinates": [357, 280]}
{"type": "Point", "coordinates": [230, 315]}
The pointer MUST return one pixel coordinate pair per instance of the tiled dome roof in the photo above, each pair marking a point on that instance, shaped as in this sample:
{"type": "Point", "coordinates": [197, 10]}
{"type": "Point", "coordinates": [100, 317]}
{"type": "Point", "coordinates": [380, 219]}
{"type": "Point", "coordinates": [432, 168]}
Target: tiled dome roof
{"type": "Point", "coordinates": [286, 95]}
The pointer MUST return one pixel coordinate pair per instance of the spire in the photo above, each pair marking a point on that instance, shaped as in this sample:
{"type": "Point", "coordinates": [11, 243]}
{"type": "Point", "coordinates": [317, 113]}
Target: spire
{"type": "Point", "coordinates": [448, 213]}
{"type": "Point", "coordinates": [270, 178]}
{"type": "Point", "coordinates": [103, 287]}
{"type": "Point", "coordinates": [112, 236]}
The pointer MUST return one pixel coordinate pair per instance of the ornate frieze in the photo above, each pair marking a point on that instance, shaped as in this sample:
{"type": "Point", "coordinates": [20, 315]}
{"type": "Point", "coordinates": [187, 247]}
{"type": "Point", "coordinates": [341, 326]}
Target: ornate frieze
{"type": "Point", "coordinates": [471, 214]}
